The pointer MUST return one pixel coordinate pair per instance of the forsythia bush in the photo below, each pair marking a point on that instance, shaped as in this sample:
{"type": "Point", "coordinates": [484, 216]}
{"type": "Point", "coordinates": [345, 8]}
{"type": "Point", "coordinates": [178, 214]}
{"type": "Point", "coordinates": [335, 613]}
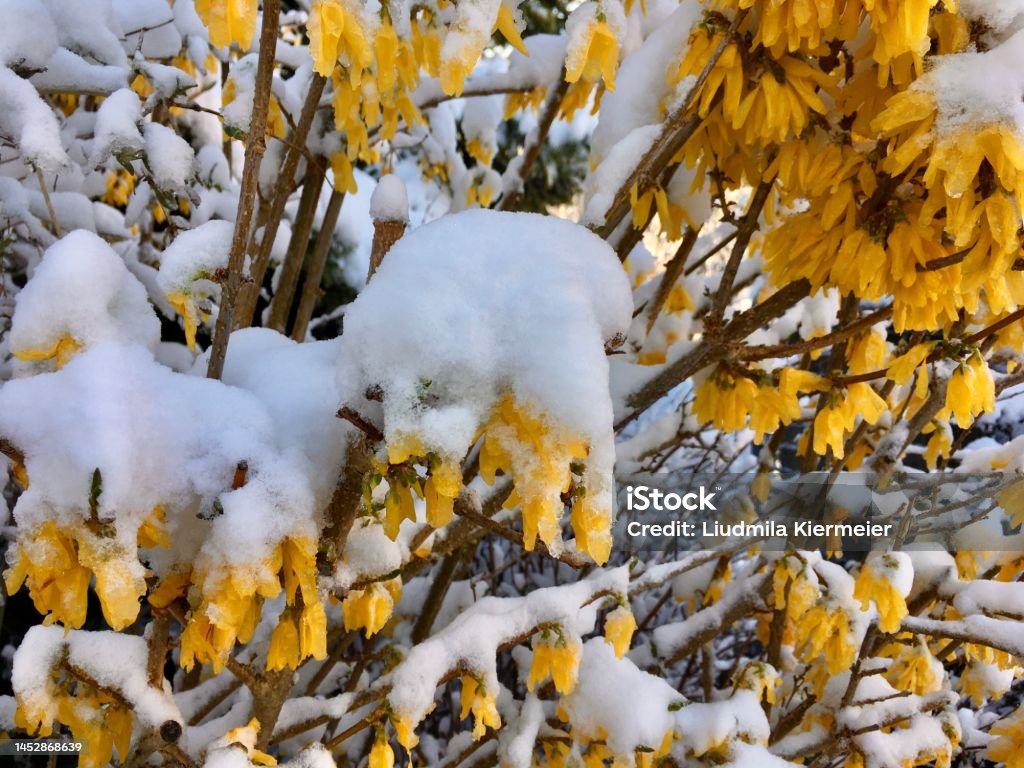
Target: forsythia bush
{"type": "Point", "coordinates": [251, 522]}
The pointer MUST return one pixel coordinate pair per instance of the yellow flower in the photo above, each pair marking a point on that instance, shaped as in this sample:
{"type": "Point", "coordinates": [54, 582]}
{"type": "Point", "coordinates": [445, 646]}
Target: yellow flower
{"type": "Point", "coordinates": [506, 24]}
{"type": "Point", "coordinates": [939, 444]}
{"type": "Point", "coordinates": [60, 352]}
{"type": "Point", "coordinates": [619, 627]}
{"type": "Point", "coordinates": [824, 631]}
{"type": "Point", "coordinates": [153, 531]}
{"type": "Point", "coordinates": [875, 582]}
{"type": "Point", "coordinates": [118, 588]}
{"type": "Point", "coordinates": [47, 559]}
{"type": "Point", "coordinates": [915, 670]}
{"type": "Point", "coordinates": [557, 657]}
{"type": "Point", "coordinates": [185, 304]}
{"type": "Point", "coordinates": [983, 681]}
{"type": "Point", "coordinates": [592, 526]}
{"type": "Point", "coordinates": [245, 737]}
{"type": "Point", "coordinates": [229, 21]}
{"type": "Point", "coordinates": [368, 608]}
{"type": "Point", "coordinates": [902, 368]}
{"type": "Point", "coordinates": [970, 393]}
{"type": "Point", "coordinates": [405, 732]}
{"type": "Point", "coordinates": [398, 506]}
{"type": "Point", "coordinates": [482, 703]}
{"type": "Point", "coordinates": [120, 185]}
{"type": "Point", "coordinates": [1008, 746]}
{"type": "Point", "coordinates": [381, 754]}
{"type": "Point", "coordinates": [440, 491]}
{"type": "Point", "coordinates": [284, 644]}
{"type": "Point", "coordinates": [594, 56]}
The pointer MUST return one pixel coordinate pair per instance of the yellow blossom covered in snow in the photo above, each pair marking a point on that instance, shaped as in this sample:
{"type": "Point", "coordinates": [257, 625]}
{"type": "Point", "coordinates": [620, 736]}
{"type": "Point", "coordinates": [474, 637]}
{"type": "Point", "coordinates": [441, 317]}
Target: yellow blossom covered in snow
{"type": "Point", "coordinates": [875, 582]}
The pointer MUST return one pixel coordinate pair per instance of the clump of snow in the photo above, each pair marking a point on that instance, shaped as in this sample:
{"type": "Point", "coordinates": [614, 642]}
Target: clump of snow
{"type": "Point", "coordinates": [115, 660]}
{"type": "Point", "coordinates": [390, 201]}
{"type": "Point", "coordinates": [195, 254]}
{"type": "Point", "coordinates": [479, 304]}
{"type": "Point", "coordinates": [26, 118]}
{"type": "Point", "coordinates": [22, 50]}
{"type": "Point", "coordinates": [148, 27]}
{"type": "Point", "coordinates": [997, 14]}
{"type": "Point", "coordinates": [87, 27]}
{"type": "Point", "coordinates": [169, 158]}
{"type": "Point", "coordinates": [979, 88]}
{"type": "Point", "coordinates": [117, 125]}
{"type": "Point", "coordinates": [82, 289]}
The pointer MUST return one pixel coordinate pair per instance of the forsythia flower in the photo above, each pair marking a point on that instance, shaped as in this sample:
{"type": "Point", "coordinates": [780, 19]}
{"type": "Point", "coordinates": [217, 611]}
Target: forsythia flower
{"type": "Point", "coordinates": [120, 185]}
{"type": "Point", "coordinates": [60, 352]}
{"type": "Point", "coordinates": [229, 21]}
{"type": "Point", "coordinates": [876, 582]}
{"type": "Point", "coordinates": [835, 420]}
{"type": "Point", "coordinates": [593, 54]}
{"type": "Point", "coordinates": [825, 631]}
{"type": "Point", "coordinates": [619, 627]}
{"type": "Point", "coordinates": [381, 754]}
{"type": "Point", "coordinates": [335, 30]}
{"type": "Point", "coordinates": [186, 305]}
{"type": "Point", "coordinates": [482, 703]}
{"type": "Point", "coordinates": [1008, 746]}
{"type": "Point", "coordinates": [970, 393]}
{"type": "Point", "coordinates": [246, 736]}
{"type": "Point", "coordinates": [555, 656]}
{"type": "Point", "coordinates": [58, 565]}
{"type": "Point", "coordinates": [916, 670]}
{"type": "Point", "coordinates": [370, 608]}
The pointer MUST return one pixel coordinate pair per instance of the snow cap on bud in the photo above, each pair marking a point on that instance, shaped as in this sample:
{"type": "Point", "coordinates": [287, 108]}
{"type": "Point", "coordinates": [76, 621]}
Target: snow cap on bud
{"type": "Point", "coordinates": [389, 201]}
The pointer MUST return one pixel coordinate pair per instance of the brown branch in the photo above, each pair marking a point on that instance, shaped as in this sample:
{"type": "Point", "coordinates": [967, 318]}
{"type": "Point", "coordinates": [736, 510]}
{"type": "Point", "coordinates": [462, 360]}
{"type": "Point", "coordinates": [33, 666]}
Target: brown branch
{"type": "Point", "coordinates": [315, 268]}
{"type": "Point", "coordinates": [532, 151]}
{"type": "Point", "coordinates": [255, 146]}
{"type": "Point", "coordinates": [288, 281]}
{"type": "Point", "coordinates": [157, 645]}
{"type": "Point", "coordinates": [673, 271]}
{"type": "Point", "coordinates": [744, 232]}
{"type": "Point", "coordinates": [766, 351]}
{"type": "Point", "coordinates": [274, 211]}
{"type": "Point", "coordinates": [365, 426]}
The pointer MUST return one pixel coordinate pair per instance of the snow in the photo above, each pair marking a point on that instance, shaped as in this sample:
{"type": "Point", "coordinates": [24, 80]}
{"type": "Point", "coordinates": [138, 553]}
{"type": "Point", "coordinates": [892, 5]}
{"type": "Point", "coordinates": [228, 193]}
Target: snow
{"type": "Point", "coordinates": [998, 14]}
{"type": "Point", "coordinates": [117, 125]}
{"type": "Point", "coordinates": [87, 27]}
{"type": "Point", "coordinates": [82, 289]}
{"type": "Point", "coordinates": [195, 254]}
{"type": "Point", "coordinates": [642, 87]}
{"type": "Point", "coordinates": [21, 50]}
{"type": "Point", "coordinates": [68, 71]}
{"type": "Point", "coordinates": [389, 201]}
{"type": "Point", "coordinates": [151, 25]}
{"type": "Point", "coordinates": [115, 660]}
{"type": "Point", "coordinates": [535, 301]}
{"type": "Point", "coordinates": [639, 719]}
{"type": "Point", "coordinates": [603, 184]}
{"type": "Point", "coordinates": [471, 640]}
{"type": "Point", "coordinates": [169, 157]}
{"type": "Point", "coordinates": [979, 88]}
{"type": "Point", "coordinates": [26, 117]}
